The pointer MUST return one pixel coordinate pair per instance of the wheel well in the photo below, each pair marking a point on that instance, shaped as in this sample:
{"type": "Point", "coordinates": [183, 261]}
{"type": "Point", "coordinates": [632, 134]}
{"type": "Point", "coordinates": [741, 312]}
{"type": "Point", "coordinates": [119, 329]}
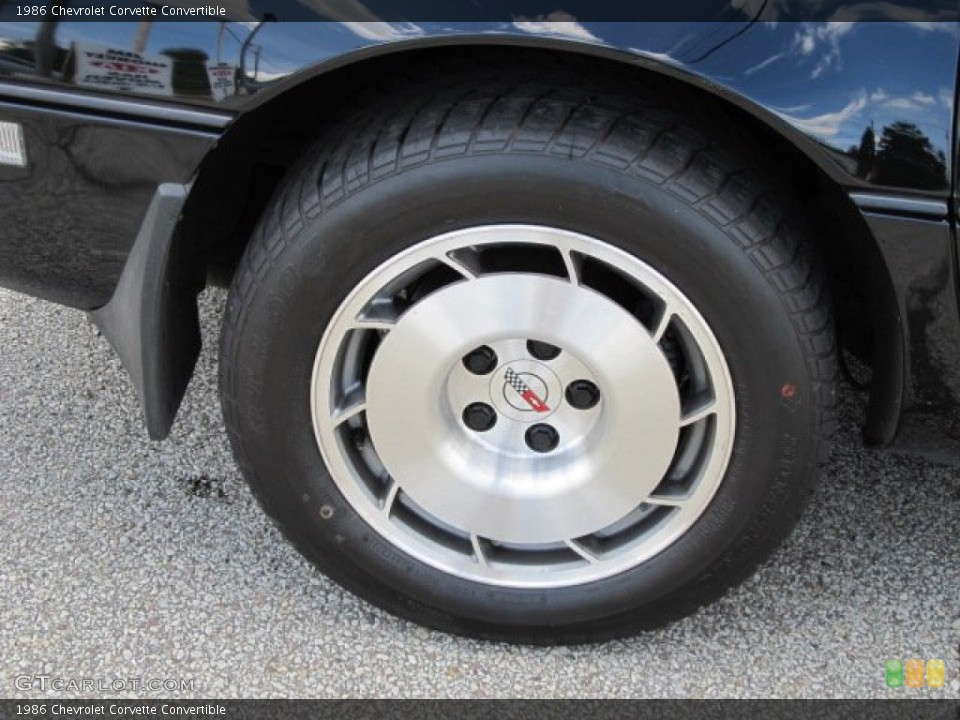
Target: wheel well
{"type": "Point", "coordinates": [244, 169]}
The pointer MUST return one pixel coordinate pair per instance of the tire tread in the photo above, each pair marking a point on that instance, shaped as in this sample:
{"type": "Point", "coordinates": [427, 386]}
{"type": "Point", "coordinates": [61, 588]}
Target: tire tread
{"type": "Point", "coordinates": [636, 131]}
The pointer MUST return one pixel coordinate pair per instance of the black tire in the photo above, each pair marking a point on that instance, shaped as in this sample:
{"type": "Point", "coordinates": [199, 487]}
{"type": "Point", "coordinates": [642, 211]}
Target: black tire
{"type": "Point", "coordinates": [614, 162]}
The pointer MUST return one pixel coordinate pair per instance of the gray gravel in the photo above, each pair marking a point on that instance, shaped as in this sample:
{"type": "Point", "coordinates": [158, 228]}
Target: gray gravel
{"type": "Point", "coordinates": [124, 558]}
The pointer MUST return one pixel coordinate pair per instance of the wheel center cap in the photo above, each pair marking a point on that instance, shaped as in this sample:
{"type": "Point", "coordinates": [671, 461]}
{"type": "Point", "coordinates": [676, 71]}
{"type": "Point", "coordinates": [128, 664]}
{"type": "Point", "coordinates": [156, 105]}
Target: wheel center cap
{"type": "Point", "coordinates": [610, 457]}
{"type": "Point", "coordinates": [525, 391]}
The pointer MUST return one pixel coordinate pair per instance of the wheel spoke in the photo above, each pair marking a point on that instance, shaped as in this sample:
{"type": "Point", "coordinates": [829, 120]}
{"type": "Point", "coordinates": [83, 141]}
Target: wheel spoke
{"type": "Point", "coordinates": [341, 415]}
{"type": "Point", "coordinates": [662, 324]}
{"type": "Point", "coordinates": [572, 265]}
{"type": "Point", "coordinates": [362, 323]}
{"type": "Point", "coordinates": [666, 500]}
{"type": "Point", "coordinates": [386, 505]}
{"type": "Point", "coordinates": [580, 550]}
{"type": "Point", "coordinates": [478, 549]}
{"type": "Point", "coordinates": [698, 411]}
{"type": "Point", "coordinates": [458, 266]}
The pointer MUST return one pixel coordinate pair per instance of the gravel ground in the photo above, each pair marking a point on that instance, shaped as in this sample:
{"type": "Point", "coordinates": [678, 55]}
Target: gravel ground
{"type": "Point", "coordinates": [131, 559]}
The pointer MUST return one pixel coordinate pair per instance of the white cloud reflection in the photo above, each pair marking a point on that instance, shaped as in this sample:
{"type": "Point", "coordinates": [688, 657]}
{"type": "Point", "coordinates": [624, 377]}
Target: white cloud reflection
{"type": "Point", "coordinates": [821, 41]}
{"type": "Point", "coordinates": [877, 105]}
{"type": "Point", "coordinates": [383, 31]}
{"type": "Point", "coordinates": [557, 24]}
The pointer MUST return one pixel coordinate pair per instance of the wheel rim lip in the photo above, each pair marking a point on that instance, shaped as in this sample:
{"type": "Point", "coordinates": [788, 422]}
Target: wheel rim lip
{"type": "Point", "coordinates": [678, 520]}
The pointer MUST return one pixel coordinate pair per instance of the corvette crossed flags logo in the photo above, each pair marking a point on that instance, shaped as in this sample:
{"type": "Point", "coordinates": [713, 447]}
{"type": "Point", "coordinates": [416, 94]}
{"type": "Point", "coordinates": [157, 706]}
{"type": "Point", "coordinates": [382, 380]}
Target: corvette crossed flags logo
{"type": "Point", "coordinates": [525, 391]}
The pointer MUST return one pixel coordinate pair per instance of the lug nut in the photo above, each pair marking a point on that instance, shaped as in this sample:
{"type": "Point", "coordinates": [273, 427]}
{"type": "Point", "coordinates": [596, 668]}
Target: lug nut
{"type": "Point", "coordinates": [479, 416]}
{"type": "Point", "coordinates": [542, 350]}
{"type": "Point", "coordinates": [481, 361]}
{"type": "Point", "coordinates": [542, 438]}
{"type": "Point", "coordinates": [583, 394]}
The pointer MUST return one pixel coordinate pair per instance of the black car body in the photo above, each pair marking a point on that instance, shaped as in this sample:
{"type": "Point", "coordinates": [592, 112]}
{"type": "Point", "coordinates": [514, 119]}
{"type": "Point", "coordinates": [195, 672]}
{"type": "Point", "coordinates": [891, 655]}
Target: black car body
{"type": "Point", "coordinates": [139, 154]}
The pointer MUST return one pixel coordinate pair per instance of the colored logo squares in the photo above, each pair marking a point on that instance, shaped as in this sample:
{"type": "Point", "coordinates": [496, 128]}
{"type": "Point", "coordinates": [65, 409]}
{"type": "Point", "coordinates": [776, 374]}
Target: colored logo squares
{"type": "Point", "coordinates": [914, 672]}
{"type": "Point", "coordinates": [911, 673]}
{"type": "Point", "coordinates": [894, 673]}
{"type": "Point", "coordinates": [936, 673]}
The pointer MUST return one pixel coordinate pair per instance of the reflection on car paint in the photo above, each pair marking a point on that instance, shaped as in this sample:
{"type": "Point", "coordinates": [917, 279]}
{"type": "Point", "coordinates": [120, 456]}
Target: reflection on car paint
{"type": "Point", "coordinates": [885, 119]}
